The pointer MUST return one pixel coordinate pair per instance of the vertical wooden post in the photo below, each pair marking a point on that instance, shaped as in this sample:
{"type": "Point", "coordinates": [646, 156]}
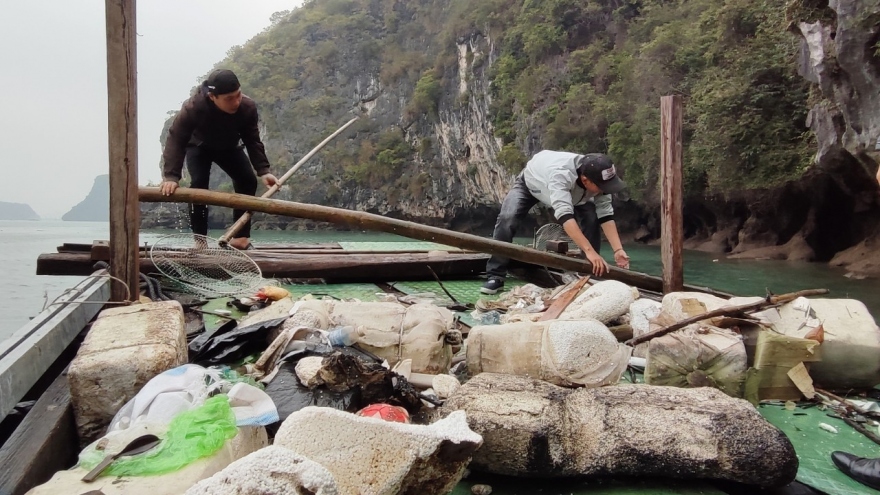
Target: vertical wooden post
{"type": "Point", "coordinates": [671, 224]}
{"type": "Point", "coordinates": [122, 120]}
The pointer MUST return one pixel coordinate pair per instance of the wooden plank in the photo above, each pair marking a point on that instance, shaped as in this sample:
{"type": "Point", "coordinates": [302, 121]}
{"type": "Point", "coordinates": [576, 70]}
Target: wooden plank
{"type": "Point", "coordinates": [44, 443]}
{"type": "Point", "coordinates": [29, 352]}
{"type": "Point", "coordinates": [100, 251]}
{"type": "Point", "coordinates": [68, 247]}
{"type": "Point", "coordinates": [671, 223]}
{"type": "Point", "coordinates": [123, 145]}
{"type": "Point", "coordinates": [368, 221]}
{"type": "Point", "coordinates": [340, 252]}
{"type": "Point", "coordinates": [356, 267]}
{"type": "Point", "coordinates": [324, 246]}
{"type": "Point", "coordinates": [564, 299]}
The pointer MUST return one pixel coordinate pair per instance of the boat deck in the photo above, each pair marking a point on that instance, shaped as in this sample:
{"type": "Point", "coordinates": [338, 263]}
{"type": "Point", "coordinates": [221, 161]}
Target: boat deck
{"type": "Point", "coordinates": [812, 444]}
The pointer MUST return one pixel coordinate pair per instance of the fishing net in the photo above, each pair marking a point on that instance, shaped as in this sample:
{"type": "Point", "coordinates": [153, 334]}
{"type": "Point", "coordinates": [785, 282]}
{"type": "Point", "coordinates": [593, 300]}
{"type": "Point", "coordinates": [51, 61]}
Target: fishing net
{"type": "Point", "coordinates": [551, 232]}
{"type": "Point", "coordinates": [197, 264]}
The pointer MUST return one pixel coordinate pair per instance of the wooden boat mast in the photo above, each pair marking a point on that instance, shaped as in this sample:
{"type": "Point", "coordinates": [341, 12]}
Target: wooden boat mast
{"type": "Point", "coordinates": [123, 145]}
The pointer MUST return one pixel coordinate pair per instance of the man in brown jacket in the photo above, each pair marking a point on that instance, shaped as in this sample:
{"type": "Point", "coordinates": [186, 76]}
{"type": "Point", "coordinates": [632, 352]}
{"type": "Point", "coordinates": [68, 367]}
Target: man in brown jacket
{"type": "Point", "coordinates": [210, 128]}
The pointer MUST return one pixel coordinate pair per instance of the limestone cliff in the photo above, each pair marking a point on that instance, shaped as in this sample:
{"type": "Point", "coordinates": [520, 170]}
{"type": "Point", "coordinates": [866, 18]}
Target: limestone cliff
{"type": "Point", "coordinates": [840, 55]}
{"type": "Point", "coordinates": [96, 205]}
{"type": "Point", "coordinates": [454, 96]}
{"type": "Point", "coordinates": [17, 211]}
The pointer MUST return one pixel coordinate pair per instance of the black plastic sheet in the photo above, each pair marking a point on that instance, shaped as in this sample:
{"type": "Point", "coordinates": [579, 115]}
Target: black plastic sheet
{"type": "Point", "coordinates": [290, 396]}
{"type": "Point", "coordinates": [226, 346]}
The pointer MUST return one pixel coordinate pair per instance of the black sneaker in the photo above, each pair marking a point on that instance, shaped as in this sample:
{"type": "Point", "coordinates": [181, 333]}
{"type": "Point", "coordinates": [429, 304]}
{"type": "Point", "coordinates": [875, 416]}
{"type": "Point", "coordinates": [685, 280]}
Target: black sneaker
{"type": "Point", "coordinates": [492, 286]}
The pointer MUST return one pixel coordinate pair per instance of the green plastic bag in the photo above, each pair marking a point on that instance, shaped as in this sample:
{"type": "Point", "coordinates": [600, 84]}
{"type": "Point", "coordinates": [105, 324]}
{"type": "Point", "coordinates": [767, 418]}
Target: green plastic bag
{"type": "Point", "coordinates": [191, 435]}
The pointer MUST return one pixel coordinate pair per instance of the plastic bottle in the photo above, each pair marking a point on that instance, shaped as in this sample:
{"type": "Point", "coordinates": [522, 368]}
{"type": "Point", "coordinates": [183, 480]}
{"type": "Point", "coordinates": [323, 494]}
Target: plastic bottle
{"type": "Point", "coordinates": [343, 336]}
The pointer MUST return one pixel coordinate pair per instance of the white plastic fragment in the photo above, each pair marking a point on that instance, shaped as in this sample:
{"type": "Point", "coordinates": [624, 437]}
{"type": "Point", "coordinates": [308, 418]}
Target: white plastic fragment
{"type": "Point", "coordinates": [828, 427]}
{"type": "Point", "coordinates": [640, 314]}
{"type": "Point", "coordinates": [801, 304]}
{"type": "Point", "coordinates": [445, 385]}
{"type": "Point", "coordinates": [307, 371]}
{"type": "Point", "coordinates": [481, 490]}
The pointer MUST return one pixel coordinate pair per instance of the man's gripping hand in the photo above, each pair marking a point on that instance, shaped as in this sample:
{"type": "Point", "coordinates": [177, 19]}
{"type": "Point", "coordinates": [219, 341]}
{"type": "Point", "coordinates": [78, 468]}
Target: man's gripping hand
{"type": "Point", "coordinates": [269, 180]}
{"type": "Point", "coordinates": [168, 187]}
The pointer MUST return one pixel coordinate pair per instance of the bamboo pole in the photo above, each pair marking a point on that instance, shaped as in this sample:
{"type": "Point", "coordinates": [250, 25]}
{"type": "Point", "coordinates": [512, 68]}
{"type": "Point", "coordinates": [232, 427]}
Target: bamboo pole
{"type": "Point", "coordinates": [369, 221]}
{"type": "Point", "coordinates": [671, 222]}
{"type": "Point", "coordinates": [272, 190]}
{"type": "Point", "coordinates": [122, 138]}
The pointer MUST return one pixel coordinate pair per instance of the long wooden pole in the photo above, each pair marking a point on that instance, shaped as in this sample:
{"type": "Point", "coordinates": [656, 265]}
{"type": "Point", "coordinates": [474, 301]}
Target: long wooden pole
{"type": "Point", "coordinates": [231, 231]}
{"type": "Point", "coordinates": [122, 136]}
{"type": "Point", "coordinates": [671, 223]}
{"type": "Point", "coordinates": [369, 221]}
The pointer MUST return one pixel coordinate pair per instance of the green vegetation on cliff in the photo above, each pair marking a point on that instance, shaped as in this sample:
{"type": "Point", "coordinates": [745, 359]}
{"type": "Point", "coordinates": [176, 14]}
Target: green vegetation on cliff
{"type": "Point", "coordinates": [593, 73]}
{"type": "Point", "coordinates": [580, 75]}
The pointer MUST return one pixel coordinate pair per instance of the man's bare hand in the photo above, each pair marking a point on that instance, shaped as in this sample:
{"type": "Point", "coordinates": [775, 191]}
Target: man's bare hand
{"type": "Point", "coordinates": [168, 187]}
{"type": "Point", "coordinates": [269, 180]}
{"type": "Point", "coordinates": [621, 258]}
{"type": "Point", "coordinates": [599, 265]}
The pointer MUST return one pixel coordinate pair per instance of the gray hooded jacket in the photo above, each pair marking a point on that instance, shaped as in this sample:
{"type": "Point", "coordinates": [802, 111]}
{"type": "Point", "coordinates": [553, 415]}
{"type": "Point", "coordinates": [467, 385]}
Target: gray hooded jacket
{"type": "Point", "coordinates": [552, 178]}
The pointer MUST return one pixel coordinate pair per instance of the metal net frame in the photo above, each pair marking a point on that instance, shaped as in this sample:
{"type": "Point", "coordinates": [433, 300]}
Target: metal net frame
{"type": "Point", "coordinates": [200, 266]}
{"type": "Point", "coordinates": [551, 232]}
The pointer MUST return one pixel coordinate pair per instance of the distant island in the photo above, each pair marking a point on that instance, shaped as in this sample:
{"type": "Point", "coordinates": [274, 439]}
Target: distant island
{"type": "Point", "coordinates": [96, 206]}
{"type": "Point", "coordinates": [17, 211]}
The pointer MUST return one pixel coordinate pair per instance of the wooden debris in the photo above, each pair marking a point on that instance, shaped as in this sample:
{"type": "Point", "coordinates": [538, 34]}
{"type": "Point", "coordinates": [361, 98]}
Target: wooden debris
{"type": "Point", "coordinates": [729, 311]}
{"type": "Point", "coordinates": [560, 303]}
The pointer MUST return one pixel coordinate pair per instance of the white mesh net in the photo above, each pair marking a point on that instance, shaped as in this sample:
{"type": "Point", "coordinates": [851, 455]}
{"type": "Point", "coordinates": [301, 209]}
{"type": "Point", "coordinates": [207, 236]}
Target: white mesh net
{"type": "Point", "coordinates": [552, 232]}
{"type": "Point", "coordinates": [200, 266]}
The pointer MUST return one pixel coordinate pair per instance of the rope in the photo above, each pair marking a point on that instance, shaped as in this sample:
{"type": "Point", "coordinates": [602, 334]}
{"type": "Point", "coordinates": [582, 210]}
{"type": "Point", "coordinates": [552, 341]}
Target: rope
{"type": "Point", "coordinates": [67, 291]}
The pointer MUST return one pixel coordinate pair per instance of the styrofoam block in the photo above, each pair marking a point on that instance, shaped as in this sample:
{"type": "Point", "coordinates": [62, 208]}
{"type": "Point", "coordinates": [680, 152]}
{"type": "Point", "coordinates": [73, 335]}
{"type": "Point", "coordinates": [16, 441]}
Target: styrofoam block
{"type": "Point", "coordinates": [124, 349]}
{"type": "Point", "coordinates": [269, 470]}
{"type": "Point", "coordinates": [381, 457]}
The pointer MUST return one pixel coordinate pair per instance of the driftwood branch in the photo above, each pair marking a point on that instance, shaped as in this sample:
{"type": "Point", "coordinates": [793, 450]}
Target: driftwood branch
{"type": "Point", "coordinates": [727, 311]}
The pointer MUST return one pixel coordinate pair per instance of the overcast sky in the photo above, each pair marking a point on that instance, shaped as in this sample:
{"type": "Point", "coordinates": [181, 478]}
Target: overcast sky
{"type": "Point", "coordinates": [53, 83]}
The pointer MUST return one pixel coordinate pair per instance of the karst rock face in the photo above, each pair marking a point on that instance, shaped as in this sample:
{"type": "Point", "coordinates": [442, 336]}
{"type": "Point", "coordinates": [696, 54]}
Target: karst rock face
{"type": "Point", "coordinates": [839, 53]}
{"type": "Point", "coordinates": [429, 146]}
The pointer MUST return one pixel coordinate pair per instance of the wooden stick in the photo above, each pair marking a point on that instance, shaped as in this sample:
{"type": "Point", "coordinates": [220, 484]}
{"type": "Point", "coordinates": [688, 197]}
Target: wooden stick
{"type": "Point", "coordinates": [671, 192]}
{"type": "Point", "coordinates": [562, 302]}
{"type": "Point", "coordinates": [844, 407]}
{"type": "Point", "coordinates": [846, 403]}
{"type": "Point", "coordinates": [770, 301]}
{"type": "Point", "coordinates": [861, 429]}
{"type": "Point", "coordinates": [442, 286]}
{"type": "Point", "coordinates": [231, 231]}
{"type": "Point", "coordinates": [368, 221]}
{"type": "Point", "coordinates": [123, 145]}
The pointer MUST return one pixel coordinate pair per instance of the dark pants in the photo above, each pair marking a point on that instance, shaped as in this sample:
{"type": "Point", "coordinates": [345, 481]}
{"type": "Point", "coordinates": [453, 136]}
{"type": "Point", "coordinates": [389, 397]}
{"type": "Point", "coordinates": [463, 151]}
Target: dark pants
{"type": "Point", "coordinates": [514, 209]}
{"type": "Point", "coordinates": [236, 165]}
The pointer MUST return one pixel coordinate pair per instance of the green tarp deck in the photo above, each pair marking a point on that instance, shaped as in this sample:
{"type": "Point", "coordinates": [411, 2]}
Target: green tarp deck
{"type": "Point", "coordinates": [812, 444]}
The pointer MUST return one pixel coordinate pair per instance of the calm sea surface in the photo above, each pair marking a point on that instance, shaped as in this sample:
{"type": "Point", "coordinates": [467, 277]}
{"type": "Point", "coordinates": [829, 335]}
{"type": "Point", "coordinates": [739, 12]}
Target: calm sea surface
{"type": "Point", "coordinates": [23, 294]}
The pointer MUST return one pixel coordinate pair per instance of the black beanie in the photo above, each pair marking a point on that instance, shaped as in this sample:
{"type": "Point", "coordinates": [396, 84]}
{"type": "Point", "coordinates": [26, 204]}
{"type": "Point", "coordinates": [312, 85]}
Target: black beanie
{"type": "Point", "coordinates": [222, 81]}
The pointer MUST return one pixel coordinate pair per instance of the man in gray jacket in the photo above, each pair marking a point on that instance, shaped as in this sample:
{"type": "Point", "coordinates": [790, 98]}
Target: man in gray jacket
{"type": "Point", "coordinates": [578, 188]}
